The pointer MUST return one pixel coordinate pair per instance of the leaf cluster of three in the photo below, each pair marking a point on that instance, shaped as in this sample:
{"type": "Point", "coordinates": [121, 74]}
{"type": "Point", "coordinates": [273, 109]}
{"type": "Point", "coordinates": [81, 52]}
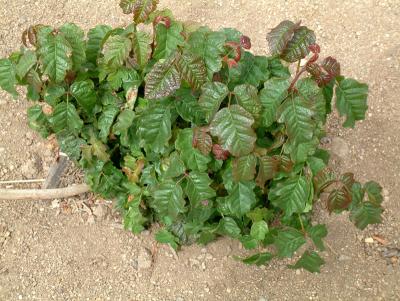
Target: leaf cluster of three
{"type": "Point", "coordinates": [184, 126]}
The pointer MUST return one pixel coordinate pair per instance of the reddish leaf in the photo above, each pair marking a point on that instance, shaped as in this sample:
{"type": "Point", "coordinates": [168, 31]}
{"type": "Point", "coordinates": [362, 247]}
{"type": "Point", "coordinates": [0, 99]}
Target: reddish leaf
{"type": "Point", "coordinates": [219, 152]}
{"type": "Point", "coordinates": [245, 42]}
{"type": "Point", "coordinates": [331, 66]}
{"type": "Point", "coordinates": [202, 140]}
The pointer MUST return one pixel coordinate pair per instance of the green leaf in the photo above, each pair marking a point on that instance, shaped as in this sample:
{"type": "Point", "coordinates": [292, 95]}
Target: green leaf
{"type": "Point", "coordinates": [241, 199]}
{"type": "Point", "coordinates": [84, 93]}
{"type": "Point", "coordinates": [192, 70]}
{"type": "Point", "coordinates": [212, 95]}
{"type": "Point", "coordinates": [55, 55]}
{"type": "Point", "coordinates": [162, 80]}
{"type": "Point", "coordinates": [167, 40]}
{"type": "Point", "coordinates": [248, 242]}
{"type": "Point", "coordinates": [228, 226]}
{"type": "Point", "coordinates": [65, 118]}
{"type": "Point", "coordinates": [233, 128]}
{"type": "Point", "coordinates": [116, 50]}
{"type": "Point", "coordinates": [259, 214]}
{"type": "Point", "coordinates": [52, 94]}
{"type": "Point", "coordinates": [365, 214]}
{"type": "Point", "coordinates": [37, 120]}
{"type": "Point", "coordinates": [209, 46]}
{"type": "Point", "coordinates": [317, 233]}
{"type": "Point", "coordinates": [176, 167]}
{"type": "Point", "coordinates": [155, 127]}
{"type": "Point", "coordinates": [277, 69]}
{"type": "Point", "coordinates": [198, 188]}
{"type": "Point", "coordinates": [167, 237]}
{"type": "Point", "coordinates": [290, 195]}
{"type": "Point", "coordinates": [259, 229]}
{"type": "Point", "coordinates": [251, 70]}
{"type": "Point", "coordinates": [269, 166]}
{"type": "Point", "coordinates": [275, 91]}
{"type": "Point", "coordinates": [351, 100]}
{"type": "Point", "coordinates": [71, 145]}
{"type": "Point", "coordinates": [374, 191]}
{"type": "Point", "coordinates": [94, 42]}
{"type": "Point", "coordinates": [25, 63]}
{"type": "Point", "coordinates": [309, 90]}
{"type": "Point", "coordinates": [309, 261]}
{"type": "Point", "coordinates": [141, 47]}
{"type": "Point", "coordinates": [124, 121]}
{"type": "Point", "coordinates": [327, 91]}
{"type": "Point", "coordinates": [168, 201]}
{"type": "Point", "coordinates": [297, 48]}
{"type": "Point", "coordinates": [297, 114]}
{"type": "Point", "coordinates": [188, 107]}
{"type": "Point", "coordinates": [244, 168]}
{"type": "Point", "coordinates": [193, 158]}
{"type": "Point", "coordinates": [7, 77]}
{"type": "Point", "coordinates": [247, 97]}
{"type": "Point", "coordinates": [279, 36]}
{"type": "Point", "coordinates": [75, 37]}
{"type": "Point", "coordinates": [289, 241]}
{"type": "Point", "coordinates": [134, 220]}
{"type": "Point", "coordinates": [258, 259]}
{"type": "Point", "coordinates": [106, 120]}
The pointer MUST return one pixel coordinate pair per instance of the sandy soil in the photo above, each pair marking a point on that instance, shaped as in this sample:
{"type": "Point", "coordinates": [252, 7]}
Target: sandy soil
{"type": "Point", "coordinates": [60, 251]}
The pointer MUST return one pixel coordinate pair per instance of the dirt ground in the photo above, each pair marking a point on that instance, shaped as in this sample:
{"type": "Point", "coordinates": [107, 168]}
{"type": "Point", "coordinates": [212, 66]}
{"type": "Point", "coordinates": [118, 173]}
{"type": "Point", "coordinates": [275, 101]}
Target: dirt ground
{"type": "Point", "coordinates": [60, 251]}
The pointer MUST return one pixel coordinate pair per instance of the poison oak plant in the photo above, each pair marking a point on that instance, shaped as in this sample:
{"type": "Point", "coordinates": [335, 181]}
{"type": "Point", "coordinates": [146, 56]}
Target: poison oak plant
{"type": "Point", "coordinates": [184, 126]}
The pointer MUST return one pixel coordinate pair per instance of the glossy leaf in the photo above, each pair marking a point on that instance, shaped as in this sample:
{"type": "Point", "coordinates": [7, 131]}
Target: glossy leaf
{"type": "Point", "coordinates": [289, 241]}
{"type": "Point", "coordinates": [163, 80]}
{"type": "Point", "coordinates": [290, 195]}
{"type": "Point", "coordinates": [167, 237]}
{"type": "Point", "coordinates": [258, 259]}
{"type": "Point", "coordinates": [317, 233]}
{"type": "Point", "coordinates": [25, 63]}
{"type": "Point", "coordinates": [247, 98]}
{"type": "Point", "coordinates": [309, 261]}
{"type": "Point", "coordinates": [241, 199]}
{"type": "Point", "coordinates": [106, 120]}
{"type": "Point", "coordinates": [365, 214]}
{"type": "Point", "coordinates": [192, 70]}
{"type": "Point", "coordinates": [209, 46]}
{"type": "Point", "coordinates": [7, 77]}
{"type": "Point", "coordinates": [297, 48]}
{"type": "Point", "coordinates": [351, 100]}
{"type": "Point", "coordinates": [279, 36]}
{"type": "Point", "coordinates": [168, 200]}
{"type": "Point", "coordinates": [212, 95]}
{"type": "Point", "coordinates": [198, 187]}
{"type": "Point", "coordinates": [244, 168]}
{"type": "Point", "coordinates": [274, 93]}
{"type": "Point", "coordinates": [155, 128]}
{"type": "Point", "coordinates": [55, 54]}
{"type": "Point", "coordinates": [94, 42]}
{"type": "Point", "coordinates": [75, 37]}
{"type": "Point", "coordinates": [141, 48]}
{"type": "Point", "coordinates": [252, 70]}
{"type": "Point", "coordinates": [84, 93]}
{"type": "Point", "coordinates": [167, 40]}
{"type": "Point", "coordinates": [65, 118]}
{"type": "Point", "coordinates": [116, 50]}
{"type": "Point", "coordinates": [233, 128]}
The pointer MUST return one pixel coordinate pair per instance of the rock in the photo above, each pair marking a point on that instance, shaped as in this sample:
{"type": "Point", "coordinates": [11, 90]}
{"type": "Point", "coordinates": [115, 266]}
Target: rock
{"type": "Point", "coordinates": [144, 260]}
{"type": "Point", "coordinates": [340, 147]}
{"type": "Point", "coordinates": [55, 203]}
{"type": "Point", "coordinates": [262, 299]}
{"type": "Point", "coordinates": [29, 169]}
{"type": "Point", "coordinates": [100, 211]}
{"type": "Point", "coordinates": [179, 299]}
{"type": "Point", "coordinates": [344, 258]}
{"type": "Point", "coordinates": [369, 240]}
{"type": "Point", "coordinates": [90, 220]}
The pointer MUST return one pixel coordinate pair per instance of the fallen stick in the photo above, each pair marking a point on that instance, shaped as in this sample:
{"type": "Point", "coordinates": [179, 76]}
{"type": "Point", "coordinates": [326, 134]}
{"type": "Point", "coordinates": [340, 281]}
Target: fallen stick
{"type": "Point", "coordinates": [43, 194]}
{"type": "Point", "coordinates": [22, 181]}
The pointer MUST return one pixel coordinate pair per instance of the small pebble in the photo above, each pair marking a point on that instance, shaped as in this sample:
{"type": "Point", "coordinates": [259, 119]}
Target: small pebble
{"type": "Point", "coordinates": [369, 240]}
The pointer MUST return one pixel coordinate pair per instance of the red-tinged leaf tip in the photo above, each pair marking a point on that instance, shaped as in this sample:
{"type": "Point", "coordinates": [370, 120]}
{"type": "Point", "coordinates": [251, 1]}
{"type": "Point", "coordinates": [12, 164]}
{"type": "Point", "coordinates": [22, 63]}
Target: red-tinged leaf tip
{"type": "Point", "coordinates": [314, 48]}
{"type": "Point", "coordinates": [162, 19]}
{"type": "Point", "coordinates": [235, 47]}
{"type": "Point", "coordinates": [331, 66]}
{"type": "Point", "coordinates": [245, 42]}
{"type": "Point", "coordinates": [219, 152]}
{"type": "Point", "coordinates": [230, 62]}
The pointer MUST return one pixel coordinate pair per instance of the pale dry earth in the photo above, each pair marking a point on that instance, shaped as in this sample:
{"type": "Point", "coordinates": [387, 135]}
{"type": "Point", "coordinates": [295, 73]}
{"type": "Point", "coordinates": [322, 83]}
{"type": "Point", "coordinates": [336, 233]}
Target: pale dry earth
{"type": "Point", "coordinates": [53, 251]}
